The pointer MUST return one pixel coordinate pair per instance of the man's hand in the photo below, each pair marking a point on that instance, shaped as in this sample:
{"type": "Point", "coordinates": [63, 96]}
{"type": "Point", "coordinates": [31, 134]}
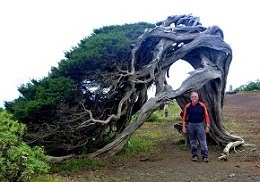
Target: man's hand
{"type": "Point", "coordinates": [184, 129]}
{"type": "Point", "coordinates": [207, 129]}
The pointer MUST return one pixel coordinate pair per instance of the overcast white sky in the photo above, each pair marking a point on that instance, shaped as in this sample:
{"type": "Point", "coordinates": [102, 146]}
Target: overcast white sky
{"type": "Point", "coordinates": [35, 33]}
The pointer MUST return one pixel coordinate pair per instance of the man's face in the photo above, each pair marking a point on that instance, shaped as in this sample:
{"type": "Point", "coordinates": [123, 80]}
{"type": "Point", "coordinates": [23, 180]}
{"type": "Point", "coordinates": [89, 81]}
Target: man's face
{"type": "Point", "coordinates": [194, 97]}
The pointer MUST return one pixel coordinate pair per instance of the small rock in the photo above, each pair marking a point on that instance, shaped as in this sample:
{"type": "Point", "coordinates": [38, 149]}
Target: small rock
{"type": "Point", "coordinates": [231, 175]}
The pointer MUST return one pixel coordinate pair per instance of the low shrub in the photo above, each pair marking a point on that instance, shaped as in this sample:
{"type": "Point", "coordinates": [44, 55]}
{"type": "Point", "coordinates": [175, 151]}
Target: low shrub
{"type": "Point", "coordinates": [18, 161]}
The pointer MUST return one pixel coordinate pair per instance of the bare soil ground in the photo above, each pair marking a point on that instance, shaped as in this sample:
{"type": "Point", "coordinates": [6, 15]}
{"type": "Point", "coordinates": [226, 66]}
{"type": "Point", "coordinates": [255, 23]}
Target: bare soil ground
{"type": "Point", "coordinates": [241, 112]}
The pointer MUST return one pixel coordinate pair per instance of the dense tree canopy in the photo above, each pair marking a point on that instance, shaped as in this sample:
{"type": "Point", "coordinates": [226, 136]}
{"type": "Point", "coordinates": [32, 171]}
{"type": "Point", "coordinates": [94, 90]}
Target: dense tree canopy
{"type": "Point", "coordinates": [55, 108]}
{"type": "Point", "coordinates": [86, 103]}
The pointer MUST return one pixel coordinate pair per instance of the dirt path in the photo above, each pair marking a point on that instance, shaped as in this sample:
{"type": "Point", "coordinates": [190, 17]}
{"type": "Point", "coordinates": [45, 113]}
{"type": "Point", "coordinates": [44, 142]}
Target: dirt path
{"type": "Point", "coordinates": [176, 166]}
{"type": "Point", "coordinates": [174, 163]}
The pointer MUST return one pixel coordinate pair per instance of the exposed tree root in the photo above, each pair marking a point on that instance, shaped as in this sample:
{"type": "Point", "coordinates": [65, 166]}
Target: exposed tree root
{"type": "Point", "coordinates": [57, 160]}
{"type": "Point", "coordinates": [229, 146]}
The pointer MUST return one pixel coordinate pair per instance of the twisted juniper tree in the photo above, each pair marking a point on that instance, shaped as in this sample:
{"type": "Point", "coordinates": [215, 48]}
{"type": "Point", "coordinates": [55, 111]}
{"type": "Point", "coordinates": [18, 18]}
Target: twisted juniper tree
{"type": "Point", "coordinates": [107, 89]}
{"type": "Point", "coordinates": [181, 37]}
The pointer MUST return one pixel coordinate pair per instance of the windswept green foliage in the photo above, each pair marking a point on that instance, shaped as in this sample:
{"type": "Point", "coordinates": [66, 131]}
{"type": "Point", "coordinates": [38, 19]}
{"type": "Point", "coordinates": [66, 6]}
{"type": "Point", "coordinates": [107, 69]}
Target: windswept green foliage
{"type": "Point", "coordinates": [18, 161]}
{"type": "Point", "coordinates": [102, 51]}
{"type": "Point", "coordinates": [56, 107]}
{"type": "Point", "coordinates": [38, 96]}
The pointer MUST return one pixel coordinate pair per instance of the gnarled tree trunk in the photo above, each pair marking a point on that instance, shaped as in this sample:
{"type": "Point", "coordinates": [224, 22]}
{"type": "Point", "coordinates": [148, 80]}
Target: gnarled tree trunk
{"type": "Point", "coordinates": [180, 37]}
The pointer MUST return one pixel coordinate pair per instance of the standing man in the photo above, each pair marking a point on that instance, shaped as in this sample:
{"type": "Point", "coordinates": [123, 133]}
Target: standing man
{"type": "Point", "coordinates": [196, 119]}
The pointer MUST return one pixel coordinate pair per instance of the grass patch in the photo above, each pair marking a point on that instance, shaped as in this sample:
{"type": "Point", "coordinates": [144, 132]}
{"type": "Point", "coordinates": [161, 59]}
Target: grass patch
{"type": "Point", "coordinates": [75, 165]}
{"type": "Point", "coordinates": [143, 141]}
{"type": "Point", "coordinates": [173, 114]}
{"type": "Point", "coordinates": [231, 125]}
{"type": "Point", "coordinates": [43, 178]}
{"type": "Point", "coordinates": [251, 139]}
{"type": "Point", "coordinates": [241, 129]}
{"type": "Point", "coordinates": [139, 148]}
{"type": "Point", "coordinates": [49, 178]}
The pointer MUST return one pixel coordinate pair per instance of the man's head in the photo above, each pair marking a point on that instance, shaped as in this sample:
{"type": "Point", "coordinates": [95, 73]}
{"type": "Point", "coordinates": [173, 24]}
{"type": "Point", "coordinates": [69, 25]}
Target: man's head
{"type": "Point", "coordinates": [194, 96]}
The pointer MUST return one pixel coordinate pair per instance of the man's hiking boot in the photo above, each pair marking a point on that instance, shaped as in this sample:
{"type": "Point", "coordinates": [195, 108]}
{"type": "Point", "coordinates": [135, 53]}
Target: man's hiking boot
{"type": "Point", "coordinates": [194, 158]}
{"type": "Point", "coordinates": [206, 159]}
